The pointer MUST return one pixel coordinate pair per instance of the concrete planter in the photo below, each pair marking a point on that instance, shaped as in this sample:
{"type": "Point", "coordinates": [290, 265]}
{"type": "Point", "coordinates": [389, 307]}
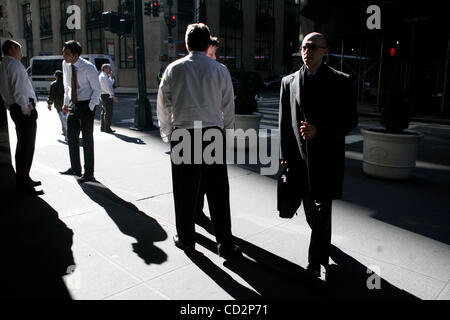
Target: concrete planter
{"type": "Point", "coordinates": [391, 156]}
{"type": "Point", "coordinates": [246, 122]}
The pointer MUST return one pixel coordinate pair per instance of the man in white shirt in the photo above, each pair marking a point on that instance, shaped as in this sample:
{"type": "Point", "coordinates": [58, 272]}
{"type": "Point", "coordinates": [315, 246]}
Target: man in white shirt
{"type": "Point", "coordinates": [20, 98]}
{"type": "Point", "coordinates": [106, 84]}
{"type": "Point", "coordinates": [81, 95]}
{"type": "Point", "coordinates": [197, 88]}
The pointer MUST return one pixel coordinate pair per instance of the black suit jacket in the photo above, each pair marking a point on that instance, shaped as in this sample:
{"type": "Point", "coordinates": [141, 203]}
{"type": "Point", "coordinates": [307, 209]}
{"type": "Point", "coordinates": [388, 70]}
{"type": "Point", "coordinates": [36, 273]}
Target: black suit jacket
{"type": "Point", "coordinates": [332, 110]}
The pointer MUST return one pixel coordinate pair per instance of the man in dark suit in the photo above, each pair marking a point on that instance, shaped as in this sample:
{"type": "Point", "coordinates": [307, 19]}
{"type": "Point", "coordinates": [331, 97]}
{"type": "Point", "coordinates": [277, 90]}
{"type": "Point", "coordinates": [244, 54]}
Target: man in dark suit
{"type": "Point", "coordinates": [317, 110]}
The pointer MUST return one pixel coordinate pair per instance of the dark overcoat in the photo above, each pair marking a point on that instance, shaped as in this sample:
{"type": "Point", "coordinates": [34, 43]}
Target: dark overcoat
{"type": "Point", "coordinates": [331, 107]}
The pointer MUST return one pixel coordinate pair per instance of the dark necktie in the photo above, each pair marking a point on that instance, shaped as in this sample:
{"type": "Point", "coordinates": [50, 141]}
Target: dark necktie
{"type": "Point", "coordinates": [74, 85]}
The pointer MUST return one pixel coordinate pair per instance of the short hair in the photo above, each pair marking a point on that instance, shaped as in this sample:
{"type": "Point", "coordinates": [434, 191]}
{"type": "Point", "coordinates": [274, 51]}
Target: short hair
{"type": "Point", "coordinates": [8, 44]}
{"type": "Point", "coordinates": [73, 46]}
{"type": "Point", "coordinates": [214, 41]}
{"type": "Point", "coordinates": [58, 73]}
{"type": "Point", "coordinates": [106, 65]}
{"type": "Point", "coordinates": [197, 37]}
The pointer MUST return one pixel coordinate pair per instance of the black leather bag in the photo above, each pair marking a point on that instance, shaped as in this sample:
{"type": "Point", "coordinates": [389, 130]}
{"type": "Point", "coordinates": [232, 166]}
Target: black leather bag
{"type": "Point", "coordinates": [289, 193]}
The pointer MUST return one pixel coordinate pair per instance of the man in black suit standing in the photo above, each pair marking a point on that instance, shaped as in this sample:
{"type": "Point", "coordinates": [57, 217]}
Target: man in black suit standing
{"type": "Point", "coordinates": [317, 110]}
{"type": "Point", "coordinates": [81, 95]}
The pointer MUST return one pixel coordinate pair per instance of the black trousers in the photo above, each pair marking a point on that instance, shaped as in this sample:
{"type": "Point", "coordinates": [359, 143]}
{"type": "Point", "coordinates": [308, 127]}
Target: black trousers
{"type": "Point", "coordinates": [81, 118]}
{"type": "Point", "coordinates": [26, 139]}
{"type": "Point", "coordinates": [187, 181]}
{"type": "Point", "coordinates": [318, 216]}
{"type": "Point", "coordinates": [107, 112]}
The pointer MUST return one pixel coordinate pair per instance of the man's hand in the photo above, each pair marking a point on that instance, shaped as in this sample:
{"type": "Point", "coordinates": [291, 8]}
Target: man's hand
{"type": "Point", "coordinates": [308, 131]}
{"type": "Point", "coordinates": [65, 109]}
{"type": "Point", "coordinates": [29, 110]}
{"type": "Point", "coordinates": [115, 99]}
{"type": "Point", "coordinates": [49, 107]}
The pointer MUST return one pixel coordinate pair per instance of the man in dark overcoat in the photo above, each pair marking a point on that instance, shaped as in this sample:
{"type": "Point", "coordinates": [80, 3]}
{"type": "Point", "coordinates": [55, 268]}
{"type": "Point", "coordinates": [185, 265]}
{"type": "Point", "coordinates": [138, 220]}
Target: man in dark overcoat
{"type": "Point", "coordinates": [317, 110]}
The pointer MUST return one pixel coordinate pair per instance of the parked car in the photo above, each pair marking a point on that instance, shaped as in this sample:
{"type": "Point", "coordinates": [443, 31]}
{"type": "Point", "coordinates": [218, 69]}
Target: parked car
{"type": "Point", "coordinates": [42, 69]}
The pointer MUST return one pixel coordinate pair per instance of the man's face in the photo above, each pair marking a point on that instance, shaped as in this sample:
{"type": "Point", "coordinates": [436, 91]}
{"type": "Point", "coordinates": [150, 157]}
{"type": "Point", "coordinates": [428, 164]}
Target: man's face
{"type": "Point", "coordinates": [69, 57]}
{"type": "Point", "coordinates": [313, 51]}
{"type": "Point", "coordinates": [211, 52]}
{"type": "Point", "coordinates": [16, 52]}
{"type": "Point", "coordinates": [107, 70]}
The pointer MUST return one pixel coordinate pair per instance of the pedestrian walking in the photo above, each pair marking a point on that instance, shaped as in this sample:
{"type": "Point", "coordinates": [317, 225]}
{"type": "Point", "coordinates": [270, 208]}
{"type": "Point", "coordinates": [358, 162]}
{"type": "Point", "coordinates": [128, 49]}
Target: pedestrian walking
{"type": "Point", "coordinates": [81, 95]}
{"type": "Point", "coordinates": [197, 88]}
{"type": "Point", "coordinates": [108, 98]}
{"type": "Point", "coordinates": [56, 97]}
{"type": "Point", "coordinates": [19, 97]}
{"type": "Point", "coordinates": [317, 110]}
{"type": "Point", "coordinates": [212, 48]}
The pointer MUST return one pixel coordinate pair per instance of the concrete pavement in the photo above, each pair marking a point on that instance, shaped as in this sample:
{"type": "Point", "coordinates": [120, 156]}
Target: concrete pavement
{"type": "Point", "coordinates": [123, 226]}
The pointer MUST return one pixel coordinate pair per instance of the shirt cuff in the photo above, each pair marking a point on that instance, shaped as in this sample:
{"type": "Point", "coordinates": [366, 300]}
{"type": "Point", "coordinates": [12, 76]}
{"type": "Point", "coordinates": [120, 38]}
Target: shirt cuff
{"type": "Point", "coordinates": [92, 106]}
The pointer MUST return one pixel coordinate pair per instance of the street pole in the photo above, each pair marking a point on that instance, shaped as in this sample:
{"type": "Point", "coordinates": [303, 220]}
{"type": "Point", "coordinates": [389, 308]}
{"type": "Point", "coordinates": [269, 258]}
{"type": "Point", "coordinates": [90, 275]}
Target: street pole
{"type": "Point", "coordinates": [445, 78]}
{"type": "Point", "coordinates": [197, 11]}
{"type": "Point", "coordinates": [169, 27]}
{"type": "Point", "coordinates": [379, 73]}
{"type": "Point", "coordinates": [143, 119]}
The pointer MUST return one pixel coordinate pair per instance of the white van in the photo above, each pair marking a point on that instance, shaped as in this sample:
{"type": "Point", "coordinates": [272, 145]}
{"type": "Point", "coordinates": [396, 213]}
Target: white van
{"type": "Point", "coordinates": [42, 69]}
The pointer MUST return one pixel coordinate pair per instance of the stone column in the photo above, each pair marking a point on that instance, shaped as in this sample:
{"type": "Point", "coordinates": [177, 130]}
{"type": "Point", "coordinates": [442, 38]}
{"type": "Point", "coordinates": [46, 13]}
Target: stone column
{"type": "Point", "coordinates": [56, 25]}
{"type": "Point", "coordinates": [36, 22]}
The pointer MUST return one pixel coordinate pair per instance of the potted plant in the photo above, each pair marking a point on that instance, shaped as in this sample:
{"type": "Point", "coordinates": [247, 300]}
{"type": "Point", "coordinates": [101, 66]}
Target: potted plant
{"type": "Point", "coordinates": [391, 152]}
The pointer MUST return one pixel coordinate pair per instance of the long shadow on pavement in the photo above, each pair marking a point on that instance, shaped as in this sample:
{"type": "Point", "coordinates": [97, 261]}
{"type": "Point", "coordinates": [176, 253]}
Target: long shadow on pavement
{"type": "Point", "coordinates": [347, 279]}
{"type": "Point", "coordinates": [129, 139]}
{"type": "Point", "coordinates": [286, 281]}
{"type": "Point", "coordinates": [353, 280]}
{"type": "Point", "coordinates": [130, 221]}
{"type": "Point", "coordinates": [35, 246]}
{"type": "Point", "coordinates": [419, 204]}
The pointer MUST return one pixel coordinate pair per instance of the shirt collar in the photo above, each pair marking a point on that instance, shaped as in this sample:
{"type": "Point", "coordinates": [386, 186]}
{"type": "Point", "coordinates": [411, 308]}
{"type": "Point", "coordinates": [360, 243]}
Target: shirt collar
{"type": "Point", "coordinates": [78, 63]}
{"type": "Point", "coordinates": [197, 53]}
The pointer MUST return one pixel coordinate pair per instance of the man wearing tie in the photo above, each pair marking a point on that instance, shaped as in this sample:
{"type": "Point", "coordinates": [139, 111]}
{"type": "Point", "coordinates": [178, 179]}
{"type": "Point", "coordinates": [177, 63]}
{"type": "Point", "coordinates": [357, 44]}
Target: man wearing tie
{"type": "Point", "coordinates": [20, 99]}
{"type": "Point", "coordinates": [81, 95]}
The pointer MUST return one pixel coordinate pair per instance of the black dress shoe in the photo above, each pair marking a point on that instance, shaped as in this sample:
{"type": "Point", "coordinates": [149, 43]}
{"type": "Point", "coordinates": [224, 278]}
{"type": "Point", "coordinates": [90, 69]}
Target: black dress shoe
{"type": "Point", "coordinates": [28, 191]}
{"type": "Point", "coordinates": [86, 178]}
{"type": "Point", "coordinates": [70, 172]}
{"type": "Point", "coordinates": [109, 131]}
{"type": "Point", "coordinates": [183, 246]}
{"type": "Point", "coordinates": [229, 252]}
{"type": "Point", "coordinates": [34, 183]}
{"type": "Point", "coordinates": [313, 270]}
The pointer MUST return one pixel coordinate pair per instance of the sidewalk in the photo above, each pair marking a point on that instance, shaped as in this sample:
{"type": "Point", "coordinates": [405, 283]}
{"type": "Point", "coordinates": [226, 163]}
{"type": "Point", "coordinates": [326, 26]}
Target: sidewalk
{"type": "Point", "coordinates": [123, 226]}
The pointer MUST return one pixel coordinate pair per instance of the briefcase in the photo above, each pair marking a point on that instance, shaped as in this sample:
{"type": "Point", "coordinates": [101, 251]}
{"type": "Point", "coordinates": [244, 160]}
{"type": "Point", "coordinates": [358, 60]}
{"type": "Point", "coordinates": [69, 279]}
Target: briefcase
{"type": "Point", "coordinates": [289, 193]}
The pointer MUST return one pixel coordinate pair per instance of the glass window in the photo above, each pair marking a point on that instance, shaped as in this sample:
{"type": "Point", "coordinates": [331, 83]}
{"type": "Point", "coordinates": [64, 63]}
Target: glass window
{"type": "Point", "coordinates": [95, 40]}
{"type": "Point", "coordinates": [127, 45]}
{"type": "Point", "coordinates": [230, 53]}
{"type": "Point", "coordinates": [127, 53]}
{"type": "Point", "coordinates": [45, 18]}
{"type": "Point", "coordinates": [46, 67]}
{"type": "Point", "coordinates": [28, 30]}
{"type": "Point", "coordinates": [94, 9]}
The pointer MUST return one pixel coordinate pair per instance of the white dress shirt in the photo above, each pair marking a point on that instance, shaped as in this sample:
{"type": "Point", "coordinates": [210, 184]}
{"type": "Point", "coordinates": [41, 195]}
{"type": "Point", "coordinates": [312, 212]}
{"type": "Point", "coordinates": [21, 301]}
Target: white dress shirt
{"type": "Point", "coordinates": [106, 84]}
{"type": "Point", "coordinates": [195, 88]}
{"type": "Point", "coordinates": [88, 86]}
{"type": "Point", "coordinates": [15, 86]}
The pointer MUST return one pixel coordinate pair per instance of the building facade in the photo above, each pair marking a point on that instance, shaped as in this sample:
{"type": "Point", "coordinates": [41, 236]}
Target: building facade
{"type": "Point", "coordinates": [259, 35]}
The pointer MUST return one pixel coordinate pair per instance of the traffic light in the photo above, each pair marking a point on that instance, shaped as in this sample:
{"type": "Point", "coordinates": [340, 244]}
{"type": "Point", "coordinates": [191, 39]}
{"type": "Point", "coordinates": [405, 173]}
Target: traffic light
{"type": "Point", "coordinates": [148, 6]}
{"type": "Point", "coordinates": [155, 8]}
{"type": "Point", "coordinates": [163, 57]}
{"type": "Point", "coordinates": [111, 21]}
{"type": "Point", "coordinates": [171, 21]}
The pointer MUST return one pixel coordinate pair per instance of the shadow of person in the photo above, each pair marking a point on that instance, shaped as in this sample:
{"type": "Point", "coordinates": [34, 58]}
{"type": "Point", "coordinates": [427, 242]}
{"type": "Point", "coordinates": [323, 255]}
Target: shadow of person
{"type": "Point", "coordinates": [223, 279]}
{"type": "Point", "coordinates": [129, 139]}
{"type": "Point", "coordinates": [36, 249]}
{"type": "Point", "coordinates": [352, 280]}
{"type": "Point", "coordinates": [271, 276]}
{"type": "Point", "coordinates": [130, 221]}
